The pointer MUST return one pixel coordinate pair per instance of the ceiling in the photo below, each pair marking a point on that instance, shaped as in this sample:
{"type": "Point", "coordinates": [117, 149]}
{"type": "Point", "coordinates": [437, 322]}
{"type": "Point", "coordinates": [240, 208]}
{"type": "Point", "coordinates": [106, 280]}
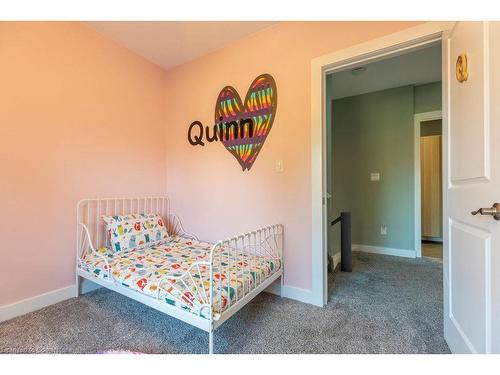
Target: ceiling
{"type": "Point", "coordinates": [173, 43]}
{"type": "Point", "coordinates": [414, 68]}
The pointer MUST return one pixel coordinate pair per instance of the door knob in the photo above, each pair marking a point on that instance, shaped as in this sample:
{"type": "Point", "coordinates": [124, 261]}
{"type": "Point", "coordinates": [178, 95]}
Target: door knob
{"type": "Point", "coordinates": [493, 211]}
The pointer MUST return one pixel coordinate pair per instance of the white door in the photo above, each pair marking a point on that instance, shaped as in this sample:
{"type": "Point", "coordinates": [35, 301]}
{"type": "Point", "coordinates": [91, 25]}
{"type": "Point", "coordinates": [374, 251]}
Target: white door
{"type": "Point", "coordinates": [471, 181]}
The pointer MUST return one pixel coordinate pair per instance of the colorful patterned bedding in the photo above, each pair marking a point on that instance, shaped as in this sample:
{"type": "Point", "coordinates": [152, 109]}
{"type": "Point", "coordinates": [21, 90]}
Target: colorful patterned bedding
{"type": "Point", "coordinates": [147, 271]}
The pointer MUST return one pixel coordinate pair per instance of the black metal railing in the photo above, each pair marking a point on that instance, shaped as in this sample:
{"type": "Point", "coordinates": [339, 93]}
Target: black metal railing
{"type": "Point", "coordinates": [345, 241]}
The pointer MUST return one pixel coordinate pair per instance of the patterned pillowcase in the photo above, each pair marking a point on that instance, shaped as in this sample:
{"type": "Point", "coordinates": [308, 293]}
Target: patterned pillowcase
{"type": "Point", "coordinates": [134, 231]}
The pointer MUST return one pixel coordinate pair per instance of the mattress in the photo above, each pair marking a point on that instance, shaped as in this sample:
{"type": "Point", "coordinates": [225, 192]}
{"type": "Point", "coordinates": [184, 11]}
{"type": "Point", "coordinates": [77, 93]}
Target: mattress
{"type": "Point", "coordinates": [148, 270]}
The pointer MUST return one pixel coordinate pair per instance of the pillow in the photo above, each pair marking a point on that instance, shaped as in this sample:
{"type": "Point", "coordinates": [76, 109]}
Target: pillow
{"type": "Point", "coordinates": [134, 231]}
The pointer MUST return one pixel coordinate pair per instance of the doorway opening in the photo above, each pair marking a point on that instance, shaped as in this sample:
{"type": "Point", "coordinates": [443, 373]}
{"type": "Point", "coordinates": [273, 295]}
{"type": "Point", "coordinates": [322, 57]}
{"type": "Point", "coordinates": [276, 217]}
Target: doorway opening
{"type": "Point", "coordinates": [371, 51]}
{"type": "Point", "coordinates": [376, 168]}
{"type": "Point", "coordinates": [429, 185]}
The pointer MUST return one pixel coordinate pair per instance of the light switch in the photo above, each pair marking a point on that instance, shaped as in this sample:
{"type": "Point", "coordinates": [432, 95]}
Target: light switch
{"type": "Point", "coordinates": [375, 176]}
{"type": "Point", "coordinates": [279, 166]}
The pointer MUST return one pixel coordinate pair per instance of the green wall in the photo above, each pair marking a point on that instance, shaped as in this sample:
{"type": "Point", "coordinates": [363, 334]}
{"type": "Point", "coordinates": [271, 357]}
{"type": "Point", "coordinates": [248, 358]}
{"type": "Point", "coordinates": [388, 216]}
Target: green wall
{"type": "Point", "coordinates": [428, 97]}
{"type": "Point", "coordinates": [374, 133]}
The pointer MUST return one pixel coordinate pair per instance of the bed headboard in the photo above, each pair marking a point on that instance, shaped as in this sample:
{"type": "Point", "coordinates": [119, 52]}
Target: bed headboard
{"type": "Point", "coordinates": [89, 212]}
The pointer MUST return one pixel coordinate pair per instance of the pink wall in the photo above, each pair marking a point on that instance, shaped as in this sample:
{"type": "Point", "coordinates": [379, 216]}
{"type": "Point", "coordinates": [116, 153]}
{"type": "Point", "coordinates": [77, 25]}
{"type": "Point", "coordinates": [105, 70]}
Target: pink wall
{"type": "Point", "coordinates": [206, 184]}
{"type": "Point", "coordinates": [80, 116]}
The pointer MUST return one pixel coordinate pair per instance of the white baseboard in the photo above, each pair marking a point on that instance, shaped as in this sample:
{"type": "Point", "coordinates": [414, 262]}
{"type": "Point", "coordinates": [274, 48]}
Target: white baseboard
{"type": "Point", "coordinates": [298, 294]}
{"type": "Point", "coordinates": [406, 253]}
{"type": "Point", "coordinates": [28, 305]}
{"type": "Point", "coordinates": [35, 303]}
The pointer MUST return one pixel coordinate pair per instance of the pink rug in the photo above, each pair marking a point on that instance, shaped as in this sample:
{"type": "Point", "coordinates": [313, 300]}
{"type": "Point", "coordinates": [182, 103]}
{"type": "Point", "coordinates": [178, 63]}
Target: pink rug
{"type": "Point", "coordinates": [119, 351]}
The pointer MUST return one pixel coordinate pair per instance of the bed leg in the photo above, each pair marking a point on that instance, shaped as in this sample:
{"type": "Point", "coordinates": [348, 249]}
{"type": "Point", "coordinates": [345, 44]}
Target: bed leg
{"type": "Point", "coordinates": [77, 286]}
{"type": "Point", "coordinates": [282, 286]}
{"type": "Point", "coordinates": [211, 342]}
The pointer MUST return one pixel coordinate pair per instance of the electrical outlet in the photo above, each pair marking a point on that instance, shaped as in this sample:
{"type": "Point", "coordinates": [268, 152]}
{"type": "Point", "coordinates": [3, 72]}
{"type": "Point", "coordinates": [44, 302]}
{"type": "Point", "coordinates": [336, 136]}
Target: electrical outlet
{"type": "Point", "coordinates": [383, 229]}
{"type": "Point", "coordinates": [279, 166]}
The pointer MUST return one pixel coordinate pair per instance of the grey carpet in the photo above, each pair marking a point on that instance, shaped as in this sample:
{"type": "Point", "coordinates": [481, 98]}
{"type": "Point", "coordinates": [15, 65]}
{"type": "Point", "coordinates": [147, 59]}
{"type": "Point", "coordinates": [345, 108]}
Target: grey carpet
{"type": "Point", "coordinates": [386, 305]}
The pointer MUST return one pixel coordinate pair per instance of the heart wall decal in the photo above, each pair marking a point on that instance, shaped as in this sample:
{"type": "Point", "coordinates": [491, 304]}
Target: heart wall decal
{"type": "Point", "coordinates": [244, 126]}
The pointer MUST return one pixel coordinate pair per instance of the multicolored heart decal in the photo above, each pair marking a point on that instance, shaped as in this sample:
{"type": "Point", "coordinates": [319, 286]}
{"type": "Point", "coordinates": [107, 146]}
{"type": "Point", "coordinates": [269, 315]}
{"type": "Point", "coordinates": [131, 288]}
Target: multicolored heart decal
{"type": "Point", "coordinates": [245, 143]}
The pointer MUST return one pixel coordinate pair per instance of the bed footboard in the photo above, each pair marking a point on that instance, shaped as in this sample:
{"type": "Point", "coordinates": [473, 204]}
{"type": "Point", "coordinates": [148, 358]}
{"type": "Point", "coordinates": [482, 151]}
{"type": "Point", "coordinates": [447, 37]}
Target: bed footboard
{"type": "Point", "coordinates": [238, 269]}
{"type": "Point", "coordinates": [242, 264]}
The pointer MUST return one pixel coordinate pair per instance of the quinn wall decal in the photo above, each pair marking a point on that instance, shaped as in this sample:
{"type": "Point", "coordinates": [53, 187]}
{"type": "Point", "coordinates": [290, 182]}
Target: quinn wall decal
{"type": "Point", "coordinates": [242, 127]}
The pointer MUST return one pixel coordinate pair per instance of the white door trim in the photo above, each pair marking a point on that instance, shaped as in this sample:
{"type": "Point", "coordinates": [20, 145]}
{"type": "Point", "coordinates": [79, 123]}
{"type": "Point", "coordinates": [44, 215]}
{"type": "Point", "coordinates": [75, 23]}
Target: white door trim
{"type": "Point", "coordinates": [417, 119]}
{"type": "Point", "coordinates": [370, 51]}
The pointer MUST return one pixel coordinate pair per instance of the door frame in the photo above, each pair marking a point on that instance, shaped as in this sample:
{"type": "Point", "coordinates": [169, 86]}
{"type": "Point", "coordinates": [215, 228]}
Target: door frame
{"type": "Point", "coordinates": [418, 118]}
{"type": "Point", "coordinates": [377, 49]}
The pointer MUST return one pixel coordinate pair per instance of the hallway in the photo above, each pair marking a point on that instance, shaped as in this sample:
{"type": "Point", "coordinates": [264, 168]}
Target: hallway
{"type": "Point", "coordinates": [389, 305]}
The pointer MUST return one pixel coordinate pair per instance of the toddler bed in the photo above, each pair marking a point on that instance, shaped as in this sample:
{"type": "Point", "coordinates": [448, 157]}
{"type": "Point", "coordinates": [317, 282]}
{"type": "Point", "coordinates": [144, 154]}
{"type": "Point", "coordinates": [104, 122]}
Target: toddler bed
{"type": "Point", "coordinates": [135, 247]}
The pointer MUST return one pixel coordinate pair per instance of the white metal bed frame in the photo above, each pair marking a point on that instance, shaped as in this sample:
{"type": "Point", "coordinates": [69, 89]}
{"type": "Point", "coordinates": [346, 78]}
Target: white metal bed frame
{"type": "Point", "coordinates": [264, 242]}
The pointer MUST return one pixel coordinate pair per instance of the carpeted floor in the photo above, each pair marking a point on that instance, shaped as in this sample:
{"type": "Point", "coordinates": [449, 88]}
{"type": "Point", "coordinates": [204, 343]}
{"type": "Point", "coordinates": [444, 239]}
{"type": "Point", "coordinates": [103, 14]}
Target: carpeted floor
{"type": "Point", "coordinates": [386, 305]}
